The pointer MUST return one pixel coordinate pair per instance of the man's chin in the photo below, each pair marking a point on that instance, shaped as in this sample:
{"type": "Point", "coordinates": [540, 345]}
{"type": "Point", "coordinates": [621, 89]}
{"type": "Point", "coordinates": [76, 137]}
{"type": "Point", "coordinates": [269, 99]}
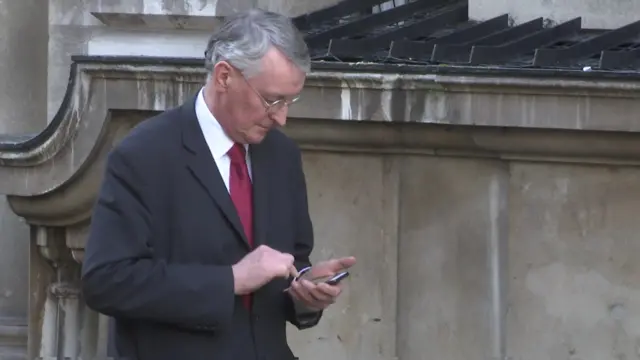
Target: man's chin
{"type": "Point", "coordinates": [256, 137]}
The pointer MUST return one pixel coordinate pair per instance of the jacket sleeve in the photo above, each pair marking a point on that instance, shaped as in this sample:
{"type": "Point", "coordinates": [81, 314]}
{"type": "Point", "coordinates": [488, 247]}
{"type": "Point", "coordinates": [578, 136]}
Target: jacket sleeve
{"type": "Point", "coordinates": [122, 278]}
{"type": "Point", "coordinates": [304, 244]}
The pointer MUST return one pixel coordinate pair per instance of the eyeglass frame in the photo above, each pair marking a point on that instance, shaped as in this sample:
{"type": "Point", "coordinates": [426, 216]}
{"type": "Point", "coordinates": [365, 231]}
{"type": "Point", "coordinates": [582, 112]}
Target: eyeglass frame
{"type": "Point", "coordinates": [268, 105]}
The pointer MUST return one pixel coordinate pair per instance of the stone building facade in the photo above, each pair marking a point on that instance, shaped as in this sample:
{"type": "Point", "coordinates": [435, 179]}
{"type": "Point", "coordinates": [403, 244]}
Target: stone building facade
{"type": "Point", "coordinates": [485, 175]}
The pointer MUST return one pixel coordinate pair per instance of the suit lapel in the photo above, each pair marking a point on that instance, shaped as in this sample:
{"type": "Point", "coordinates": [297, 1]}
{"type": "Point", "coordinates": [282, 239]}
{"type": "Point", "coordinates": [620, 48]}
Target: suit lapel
{"type": "Point", "coordinates": [203, 167]}
{"type": "Point", "coordinates": [260, 177]}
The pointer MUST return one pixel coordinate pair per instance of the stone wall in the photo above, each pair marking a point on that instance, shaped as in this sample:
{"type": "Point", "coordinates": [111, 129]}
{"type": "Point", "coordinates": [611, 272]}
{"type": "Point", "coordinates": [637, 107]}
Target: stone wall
{"type": "Point", "coordinates": [544, 257]}
{"type": "Point", "coordinates": [471, 258]}
{"type": "Point", "coordinates": [23, 98]}
{"type": "Point", "coordinates": [492, 215]}
{"type": "Point", "coordinates": [474, 241]}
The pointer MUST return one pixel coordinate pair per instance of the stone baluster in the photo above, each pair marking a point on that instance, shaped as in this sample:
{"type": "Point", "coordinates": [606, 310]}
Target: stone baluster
{"type": "Point", "coordinates": [63, 326]}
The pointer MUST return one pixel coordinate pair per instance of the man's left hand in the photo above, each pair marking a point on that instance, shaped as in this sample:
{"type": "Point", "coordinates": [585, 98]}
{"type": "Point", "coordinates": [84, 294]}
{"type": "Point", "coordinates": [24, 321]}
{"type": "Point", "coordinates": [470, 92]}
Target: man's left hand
{"type": "Point", "coordinates": [316, 297]}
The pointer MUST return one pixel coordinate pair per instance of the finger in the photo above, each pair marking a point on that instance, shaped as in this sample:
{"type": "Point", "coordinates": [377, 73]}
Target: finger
{"type": "Point", "coordinates": [295, 293]}
{"type": "Point", "coordinates": [293, 271]}
{"type": "Point", "coordinates": [301, 293]}
{"type": "Point", "coordinates": [316, 294]}
{"type": "Point", "coordinates": [288, 258]}
{"type": "Point", "coordinates": [286, 266]}
{"type": "Point", "coordinates": [263, 248]}
{"type": "Point", "coordinates": [321, 300]}
{"type": "Point", "coordinates": [291, 290]}
{"type": "Point", "coordinates": [332, 291]}
{"type": "Point", "coordinates": [282, 270]}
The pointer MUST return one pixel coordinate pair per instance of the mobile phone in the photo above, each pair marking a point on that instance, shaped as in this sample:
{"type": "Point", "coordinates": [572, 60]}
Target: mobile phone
{"type": "Point", "coordinates": [337, 278]}
{"type": "Point", "coordinates": [333, 280]}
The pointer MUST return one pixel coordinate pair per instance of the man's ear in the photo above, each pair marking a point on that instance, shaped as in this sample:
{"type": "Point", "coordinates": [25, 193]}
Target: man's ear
{"type": "Point", "coordinates": [222, 75]}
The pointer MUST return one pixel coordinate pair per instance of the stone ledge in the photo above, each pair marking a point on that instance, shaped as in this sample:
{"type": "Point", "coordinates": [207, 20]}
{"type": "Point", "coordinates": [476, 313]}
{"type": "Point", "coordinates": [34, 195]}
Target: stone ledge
{"type": "Point", "coordinates": [512, 144]}
{"type": "Point", "coordinates": [13, 334]}
{"type": "Point", "coordinates": [532, 119]}
{"type": "Point", "coordinates": [169, 8]}
{"type": "Point", "coordinates": [70, 203]}
{"type": "Point", "coordinates": [158, 21]}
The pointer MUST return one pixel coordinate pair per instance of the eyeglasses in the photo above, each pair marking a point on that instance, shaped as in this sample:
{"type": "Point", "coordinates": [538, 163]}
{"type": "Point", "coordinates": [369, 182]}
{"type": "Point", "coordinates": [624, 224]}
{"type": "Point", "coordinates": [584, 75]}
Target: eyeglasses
{"type": "Point", "coordinates": [271, 107]}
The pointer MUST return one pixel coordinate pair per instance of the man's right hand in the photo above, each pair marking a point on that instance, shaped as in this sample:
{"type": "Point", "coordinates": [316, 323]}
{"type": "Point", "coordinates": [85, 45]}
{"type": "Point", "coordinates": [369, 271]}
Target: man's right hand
{"type": "Point", "coordinates": [259, 267]}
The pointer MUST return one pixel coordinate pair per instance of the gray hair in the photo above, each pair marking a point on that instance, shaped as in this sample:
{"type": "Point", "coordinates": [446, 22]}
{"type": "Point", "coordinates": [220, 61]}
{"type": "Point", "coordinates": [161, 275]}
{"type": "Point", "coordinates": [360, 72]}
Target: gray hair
{"type": "Point", "coordinates": [244, 39]}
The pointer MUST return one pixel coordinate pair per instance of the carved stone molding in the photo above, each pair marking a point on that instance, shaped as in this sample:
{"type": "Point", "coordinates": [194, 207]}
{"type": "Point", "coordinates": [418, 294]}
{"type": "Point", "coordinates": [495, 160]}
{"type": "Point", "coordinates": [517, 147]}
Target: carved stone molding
{"type": "Point", "coordinates": [13, 338]}
{"type": "Point", "coordinates": [172, 15]}
{"type": "Point", "coordinates": [157, 21]}
{"type": "Point", "coordinates": [545, 145]}
{"type": "Point", "coordinates": [56, 312]}
{"type": "Point", "coordinates": [53, 177]}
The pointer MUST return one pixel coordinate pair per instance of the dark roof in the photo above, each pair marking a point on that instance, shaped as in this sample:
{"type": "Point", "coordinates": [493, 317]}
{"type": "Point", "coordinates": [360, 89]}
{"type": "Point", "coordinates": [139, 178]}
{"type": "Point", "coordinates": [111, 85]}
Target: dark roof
{"type": "Point", "coordinates": [439, 32]}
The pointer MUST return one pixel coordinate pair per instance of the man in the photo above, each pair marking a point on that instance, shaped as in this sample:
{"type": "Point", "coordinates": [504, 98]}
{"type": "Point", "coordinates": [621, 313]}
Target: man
{"type": "Point", "coordinates": [202, 217]}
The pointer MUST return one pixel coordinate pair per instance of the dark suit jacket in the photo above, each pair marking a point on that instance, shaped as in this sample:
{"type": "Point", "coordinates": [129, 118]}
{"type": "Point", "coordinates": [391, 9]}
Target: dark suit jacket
{"type": "Point", "coordinates": [165, 233]}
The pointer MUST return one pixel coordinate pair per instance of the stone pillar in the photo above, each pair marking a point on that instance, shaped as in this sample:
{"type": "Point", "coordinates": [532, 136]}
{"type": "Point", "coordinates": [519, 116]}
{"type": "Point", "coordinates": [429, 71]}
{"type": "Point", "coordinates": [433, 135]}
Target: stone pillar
{"type": "Point", "coordinates": [23, 100]}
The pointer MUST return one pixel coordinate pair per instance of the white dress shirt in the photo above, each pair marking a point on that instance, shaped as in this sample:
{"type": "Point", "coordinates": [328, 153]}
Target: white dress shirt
{"type": "Point", "coordinates": [217, 140]}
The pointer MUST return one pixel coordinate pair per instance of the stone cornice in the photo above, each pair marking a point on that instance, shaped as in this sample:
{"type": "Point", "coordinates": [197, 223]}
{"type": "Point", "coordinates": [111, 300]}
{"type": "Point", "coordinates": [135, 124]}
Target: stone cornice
{"type": "Point", "coordinates": [53, 177]}
{"type": "Point", "coordinates": [470, 83]}
{"type": "Point", "coordinates": [158, 21]}
{"type": "Point", "coordinates": [518, 144]}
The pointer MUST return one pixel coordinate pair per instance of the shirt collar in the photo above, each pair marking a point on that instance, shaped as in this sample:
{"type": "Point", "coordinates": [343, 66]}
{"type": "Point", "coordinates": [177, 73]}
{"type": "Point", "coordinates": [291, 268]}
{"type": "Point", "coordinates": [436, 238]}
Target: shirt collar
{"type": "Point", "coordinates": [216, 138]}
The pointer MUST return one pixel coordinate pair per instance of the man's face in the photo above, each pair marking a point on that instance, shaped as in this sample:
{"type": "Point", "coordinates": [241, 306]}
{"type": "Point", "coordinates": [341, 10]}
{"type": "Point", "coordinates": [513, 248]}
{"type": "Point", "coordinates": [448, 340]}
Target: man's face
{"type": "Point", "coordinates": [248, 108]}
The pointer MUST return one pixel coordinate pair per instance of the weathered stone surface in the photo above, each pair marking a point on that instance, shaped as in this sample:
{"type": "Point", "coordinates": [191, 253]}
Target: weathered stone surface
{"type": "Point", "coordinates": [470, 228]}
{"type": "Point", "coordinates": [573, 274]}
{"type": "Point", "coordinates": [353, 203]}
{"type": "Point", "coordinates": [23, 109]}
{"type": "Point", "coordinates": [452, 240]}
{"type": "Point", "coordinates": [100, 89]}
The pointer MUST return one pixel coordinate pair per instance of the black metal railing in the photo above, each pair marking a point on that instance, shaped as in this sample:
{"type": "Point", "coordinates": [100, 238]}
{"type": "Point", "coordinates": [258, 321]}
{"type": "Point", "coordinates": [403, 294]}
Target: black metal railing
{"type": "Point", "coordinates": [439, 32]}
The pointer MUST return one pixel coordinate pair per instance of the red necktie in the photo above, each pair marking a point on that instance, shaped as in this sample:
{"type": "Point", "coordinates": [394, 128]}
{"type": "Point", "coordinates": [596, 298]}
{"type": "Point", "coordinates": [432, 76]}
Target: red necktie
{"type": "Point", "coordinates": [242, 194]}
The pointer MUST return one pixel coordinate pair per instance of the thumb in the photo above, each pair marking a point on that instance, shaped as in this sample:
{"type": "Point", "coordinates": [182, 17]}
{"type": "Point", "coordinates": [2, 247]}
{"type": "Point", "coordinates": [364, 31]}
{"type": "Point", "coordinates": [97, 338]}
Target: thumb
{"type": "Point", "coordinates": [330, 267]}
{"type": "Point", "coordinates": [345, 263]}
{"type": "Point", "coordinates": [336, 265]}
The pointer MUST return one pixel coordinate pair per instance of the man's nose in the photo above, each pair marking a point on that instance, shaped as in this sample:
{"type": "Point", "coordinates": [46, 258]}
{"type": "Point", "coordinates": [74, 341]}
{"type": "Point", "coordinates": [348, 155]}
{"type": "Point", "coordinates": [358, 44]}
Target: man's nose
{"type": "Point", "coordinates": [280, 116]}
